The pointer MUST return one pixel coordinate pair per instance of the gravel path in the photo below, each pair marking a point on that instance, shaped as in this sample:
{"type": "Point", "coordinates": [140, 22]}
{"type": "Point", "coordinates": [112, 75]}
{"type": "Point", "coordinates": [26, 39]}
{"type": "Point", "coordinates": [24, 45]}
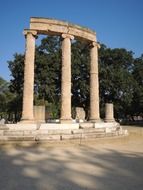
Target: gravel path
{"type": "Point", "coordinates": [105, 164]}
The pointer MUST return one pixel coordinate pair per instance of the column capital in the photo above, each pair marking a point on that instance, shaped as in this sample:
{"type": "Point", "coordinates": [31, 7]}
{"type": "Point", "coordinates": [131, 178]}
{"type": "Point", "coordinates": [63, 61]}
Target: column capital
{"type": "Point", "coordinates": [67, 36]}
{"type": "Point", "coordinates": [29, 31]}
{"type": "Point", "coordinates": [94, 44]}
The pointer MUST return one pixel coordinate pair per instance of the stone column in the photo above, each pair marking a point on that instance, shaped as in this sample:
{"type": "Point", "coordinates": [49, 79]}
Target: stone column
{"type": "Point", "coordinates": [66, 79]}
{"type": "Point", "coordinates": [109, 112]}
{"type": "Point", "coordinates": [94, 83]}
{"type": "Point", "coordinates": [28, 91]}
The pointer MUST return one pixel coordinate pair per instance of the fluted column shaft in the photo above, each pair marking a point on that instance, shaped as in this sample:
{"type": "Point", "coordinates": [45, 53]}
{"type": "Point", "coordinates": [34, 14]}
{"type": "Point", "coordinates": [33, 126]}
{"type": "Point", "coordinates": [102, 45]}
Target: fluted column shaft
{"type": "Point", "coordinates": [94, 83]}
{"type": "Point", "coordinates": [66, 79]}
{"type": "Point", "coordinates": [28, 91]}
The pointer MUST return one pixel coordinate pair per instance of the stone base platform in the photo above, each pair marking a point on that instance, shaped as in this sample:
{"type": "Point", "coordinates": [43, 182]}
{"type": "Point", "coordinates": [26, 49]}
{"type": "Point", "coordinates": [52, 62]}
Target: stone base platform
{"type": "Point", "coordinates": [58, 132]}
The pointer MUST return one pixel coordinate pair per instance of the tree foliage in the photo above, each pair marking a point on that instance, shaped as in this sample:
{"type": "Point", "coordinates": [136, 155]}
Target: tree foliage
{"type": "Point", "coordinates": [6, 98]}
{"type": "Point", "coordinates": [16, 67]}
{"type": "Point", "coordinates": [47, 69]}
{"type": "Point", "coordinates": [80, 74]}
{"type": "Point", "coordinates": [137, 103]}
{"type": "Point", "coordinates": [117, 83]}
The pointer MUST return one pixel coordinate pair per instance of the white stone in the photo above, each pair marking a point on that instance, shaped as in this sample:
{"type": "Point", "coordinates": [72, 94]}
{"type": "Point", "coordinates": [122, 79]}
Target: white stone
{"type": "Point", "coordinates": [103, 124]}
{"type": "Point", "coordinates": [57, 126]}
{"type": "Point", "coordinates": [20, 126]}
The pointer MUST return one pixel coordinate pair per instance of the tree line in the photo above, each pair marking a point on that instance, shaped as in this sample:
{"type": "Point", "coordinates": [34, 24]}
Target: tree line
{"type": "Point", "coordinates": [120, 80]}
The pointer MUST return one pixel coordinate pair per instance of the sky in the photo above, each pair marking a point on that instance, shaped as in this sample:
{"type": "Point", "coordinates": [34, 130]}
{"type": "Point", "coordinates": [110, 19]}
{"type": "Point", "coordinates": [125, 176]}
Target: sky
{"type": "Point", "coordinates": [118, 23]}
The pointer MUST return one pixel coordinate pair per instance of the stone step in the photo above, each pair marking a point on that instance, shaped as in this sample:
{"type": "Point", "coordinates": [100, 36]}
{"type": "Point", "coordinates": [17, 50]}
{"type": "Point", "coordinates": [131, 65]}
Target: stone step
{"type": "Point", "coordinates": [13, 133]}
{"type": "Point", "coordinates": [62, 131]}
{"type": "Point", "coordinates": [3, 127]}
{"type": "Point", "coordinates": [17, 138]}
{"type": "Point", "coordinates": [52, 135]}
{"type": "Point", "coordinates": [48, 138]}
{"type": "Point", "coordinates": [73, 136]}
{"type": "Point", "coordinates": [54, 132]}
{"type": "Point", "coordinates": [95, 130]}
{"type": "Point", "coordinates": [99, 135]}
{"type": "Point", "coordinates": [86, 125]}
{"type": "Point", "coordinates": [19, 133]}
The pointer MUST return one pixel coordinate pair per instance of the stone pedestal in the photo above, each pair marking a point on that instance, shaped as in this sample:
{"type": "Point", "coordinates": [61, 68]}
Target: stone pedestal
{"type": "Point", "coordinates": [94, 84]}
{"type": "Point", "coordinates": [109, 112]}
{"type": "Point", "coordinates": [28, 92]}
{"type": "Point", "coordinates": [80, 113]}
{"type": "Point", "coordinates": [39, 114]}
{"type": "Point", "coordinates": [66, 80]}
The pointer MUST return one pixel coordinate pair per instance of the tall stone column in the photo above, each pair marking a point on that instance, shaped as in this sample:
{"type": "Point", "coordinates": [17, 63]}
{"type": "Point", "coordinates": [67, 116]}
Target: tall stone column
{"type": "Point", "coordinates": [94, 83]}
{"type": "Point", "coordinates": [66, 79]}
{"type": "Point", "coordinates": [28, 91]}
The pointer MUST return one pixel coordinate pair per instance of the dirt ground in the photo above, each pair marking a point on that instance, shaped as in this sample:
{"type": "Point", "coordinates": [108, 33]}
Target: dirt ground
{"type": "Point", "coordinates": [103, 164]}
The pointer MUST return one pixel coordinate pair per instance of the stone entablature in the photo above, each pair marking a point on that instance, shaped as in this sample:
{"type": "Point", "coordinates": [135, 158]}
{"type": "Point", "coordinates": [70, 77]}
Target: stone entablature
{"type": "Point", "coordinates": [56, 27]}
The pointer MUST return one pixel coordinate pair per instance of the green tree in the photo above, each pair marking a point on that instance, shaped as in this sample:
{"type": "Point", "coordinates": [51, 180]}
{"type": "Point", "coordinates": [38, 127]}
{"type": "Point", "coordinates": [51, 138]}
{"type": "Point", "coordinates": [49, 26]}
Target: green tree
{"type": "Point", "coordinates": [47, 69]}
{"type": "Point", "coordinates": [137, 104]}
{"type": "Point", "coordinates": [5, 98]}
{"type": "Point", "coordinates": [80, 74]}
{"type": "Point", "coordinates": [116, 80]}
{"type": "Point", "coordinates": [16, 67]}
{"type": "Point", "coordinates": [3, 91]}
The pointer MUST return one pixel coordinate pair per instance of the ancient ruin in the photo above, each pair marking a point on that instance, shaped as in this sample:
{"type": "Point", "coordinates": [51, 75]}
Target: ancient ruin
{"type": "Point", "coordinates": [66, 128]}
{"type": "Point", "coordinates": [67, 32]}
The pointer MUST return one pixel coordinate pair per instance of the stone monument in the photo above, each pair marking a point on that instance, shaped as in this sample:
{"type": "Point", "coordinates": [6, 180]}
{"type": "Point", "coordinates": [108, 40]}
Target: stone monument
{"type": "Point", "coordinates": [31, 126]}
{"type": "Point", "coordinates": [68, 32]}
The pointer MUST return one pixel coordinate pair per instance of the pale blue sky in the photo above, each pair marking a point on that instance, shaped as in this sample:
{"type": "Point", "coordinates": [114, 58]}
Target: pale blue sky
{"type": "Point", "coordinates": [118, 23]}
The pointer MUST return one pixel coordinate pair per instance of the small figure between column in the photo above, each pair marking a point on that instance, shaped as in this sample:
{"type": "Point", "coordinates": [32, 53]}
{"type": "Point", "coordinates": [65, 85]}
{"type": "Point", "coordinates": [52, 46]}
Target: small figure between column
{"type": "Point", "coordinates": [28, 91]}
{"type": "Point", "coordinates": [94, 83]}
{"type": "Point", "coordinates": [66, 79]}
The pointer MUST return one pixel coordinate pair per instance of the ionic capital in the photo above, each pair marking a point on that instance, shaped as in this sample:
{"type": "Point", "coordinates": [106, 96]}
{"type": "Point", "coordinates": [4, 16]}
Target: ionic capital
{"type": "Point", "coordinates": [28, 31]}
{"type": "Point", "coordinates": [67, 36]}
{"type": "Point", "coordinates": [94, 44]}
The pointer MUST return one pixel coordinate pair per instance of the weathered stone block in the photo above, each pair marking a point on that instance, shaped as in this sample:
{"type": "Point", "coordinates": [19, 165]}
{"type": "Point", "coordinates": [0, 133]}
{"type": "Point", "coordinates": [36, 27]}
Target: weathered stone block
{"type": "Point", "coordinates": [39, 114]}
{"type": "Point", "coordinates": [86, 125]}
{"type": "Point", "coordinates": [80, 113]}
